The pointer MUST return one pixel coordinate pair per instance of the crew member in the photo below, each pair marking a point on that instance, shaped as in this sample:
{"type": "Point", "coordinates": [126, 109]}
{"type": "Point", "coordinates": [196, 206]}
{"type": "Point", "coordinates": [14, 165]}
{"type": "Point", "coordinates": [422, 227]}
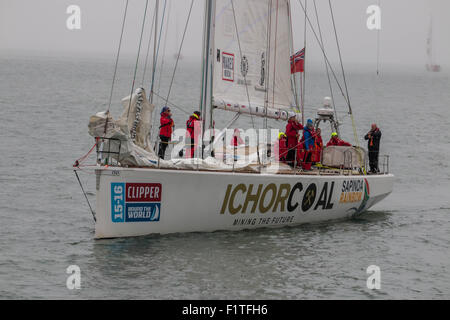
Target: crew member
{"type": "Point", "coordinates": [318, 146]}
{"type": "Point", "coordinates": [237, 140]}
{"type": "Point", "coordinates": [374, 137]}
{"type": "Point", "coordinates": [335, 141]}
{"type": "Point", "coordinates": [292, 132]}
{"type": "Point", "coordinates": [281, 147]}
{"type": "Point", "coordinates": [165, 131]}
{"type": "Point", "coordinates": [309, 143]}
{"type": "Point", "coordinates": [193, 126]}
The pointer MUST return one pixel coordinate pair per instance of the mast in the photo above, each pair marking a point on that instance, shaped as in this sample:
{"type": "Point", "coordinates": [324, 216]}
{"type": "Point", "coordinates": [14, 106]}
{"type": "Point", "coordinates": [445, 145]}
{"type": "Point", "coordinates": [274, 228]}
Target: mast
{"type": "Point", "coordinates": [207, 64]}
{"type": "Point", "coordinates": [154, 48]}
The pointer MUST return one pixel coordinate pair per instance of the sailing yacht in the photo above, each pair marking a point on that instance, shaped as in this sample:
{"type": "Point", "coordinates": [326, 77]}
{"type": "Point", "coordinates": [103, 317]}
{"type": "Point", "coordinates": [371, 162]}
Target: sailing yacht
{"type": "Point", "coordinates": [247, 46]}
{"type": "Point", "coordinates": [431, 65]}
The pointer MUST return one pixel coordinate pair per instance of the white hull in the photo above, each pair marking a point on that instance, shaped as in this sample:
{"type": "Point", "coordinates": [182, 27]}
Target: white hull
{"type": "Point", "coordinates": [137, 202]}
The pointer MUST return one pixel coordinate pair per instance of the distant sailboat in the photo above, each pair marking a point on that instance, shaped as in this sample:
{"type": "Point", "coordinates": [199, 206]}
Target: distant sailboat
{"type": "Point", "coordinates": [431, 65]}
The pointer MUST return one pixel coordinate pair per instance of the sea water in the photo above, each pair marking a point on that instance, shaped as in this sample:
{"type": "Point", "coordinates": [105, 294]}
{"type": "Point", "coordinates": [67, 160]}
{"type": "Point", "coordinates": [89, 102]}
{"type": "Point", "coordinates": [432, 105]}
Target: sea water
{"type": "Point", "coordinates": [46, 225]}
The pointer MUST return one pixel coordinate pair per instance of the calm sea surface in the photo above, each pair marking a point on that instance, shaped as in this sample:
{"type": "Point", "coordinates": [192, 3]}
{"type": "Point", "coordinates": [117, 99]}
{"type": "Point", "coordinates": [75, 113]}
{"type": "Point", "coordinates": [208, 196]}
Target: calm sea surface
{"type": "Point", "coordinates": [46, 226]}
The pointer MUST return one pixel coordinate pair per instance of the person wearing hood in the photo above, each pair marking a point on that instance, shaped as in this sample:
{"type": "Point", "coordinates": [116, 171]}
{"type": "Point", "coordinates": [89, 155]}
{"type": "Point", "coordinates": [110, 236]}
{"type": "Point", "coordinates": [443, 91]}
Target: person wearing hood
{"type": "Point", "coordinates": [292, 133]}
{"type": "Point", "coordinates": [374, 137]}
{"type": "Point", "coordinates": [309, 143]}
{"type": "Point", "coordinates": [335, 141]}
{"type": "Point", "coordinates": [281, 147]}
{"type": "Point", "coordinates": [165, 131]}
{"type": "Point", "coordinates": [193, 127]}
{"type": "Point", "coordinates": [318, 146]}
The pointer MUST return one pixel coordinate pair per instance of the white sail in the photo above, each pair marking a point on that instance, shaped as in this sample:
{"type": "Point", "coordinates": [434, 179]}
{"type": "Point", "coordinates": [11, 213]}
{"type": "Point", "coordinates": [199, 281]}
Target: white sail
{"type": "Point", "coordinates": [252, 66]}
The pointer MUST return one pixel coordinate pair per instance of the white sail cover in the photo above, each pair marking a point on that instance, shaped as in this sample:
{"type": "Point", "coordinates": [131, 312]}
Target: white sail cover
{"type": "Point", "coordinates": [263, 68]}
{"type": "Point", "coordinates": [130, 145]}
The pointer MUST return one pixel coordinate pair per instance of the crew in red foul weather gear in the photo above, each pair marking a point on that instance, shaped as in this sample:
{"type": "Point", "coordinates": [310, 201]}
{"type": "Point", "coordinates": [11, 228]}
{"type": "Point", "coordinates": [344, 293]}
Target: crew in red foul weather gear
{"type": "Point", "coordinates": [318, 146]}
{"type": "Point", "coordinates": [193, 126]}
{"type": "Point", "coordinates": [281, 147]}
{"type": "Point", "coordinates": [165, 131]}
{"type": "Point", "coordinates": [292, 132]}
{"type": "Point", "coordinates": [335, 141]}
{"type": "Point", "coordinates": [237, 140]}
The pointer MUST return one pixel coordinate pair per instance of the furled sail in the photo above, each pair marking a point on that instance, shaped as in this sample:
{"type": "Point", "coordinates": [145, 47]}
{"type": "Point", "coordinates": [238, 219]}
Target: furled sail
{"type": "Point", "coordinates": [252, 58]}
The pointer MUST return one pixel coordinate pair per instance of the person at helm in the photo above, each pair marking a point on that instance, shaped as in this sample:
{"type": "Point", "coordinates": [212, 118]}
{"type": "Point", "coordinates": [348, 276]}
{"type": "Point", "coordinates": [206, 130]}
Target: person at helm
{"type": "Point", "coordinates": [335, 141]}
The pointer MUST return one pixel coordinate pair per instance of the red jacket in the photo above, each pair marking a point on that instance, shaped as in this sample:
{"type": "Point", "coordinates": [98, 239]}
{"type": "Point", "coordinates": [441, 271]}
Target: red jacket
{"type": "Point", "coordinates": [193, 126]}
{"type": "Point", "coordinates": [292, 130]}
{"type": "Point", "coordinates": [166, 127]}
{"type": "Point", "coordinates": [237, 141]}
{"type": "Point", "coordinates": [338, 142]}
{"type": "Point", "coordinates": [194, 131]}
{"type": "Point", "coordinates": [281, 149]}
{"type": "Point", "coordinates": [317, 149]}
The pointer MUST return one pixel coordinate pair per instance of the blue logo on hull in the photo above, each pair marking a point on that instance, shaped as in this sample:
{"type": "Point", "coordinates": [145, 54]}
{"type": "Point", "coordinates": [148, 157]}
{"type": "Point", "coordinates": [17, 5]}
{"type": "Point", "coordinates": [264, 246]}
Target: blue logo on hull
{"type": "Point", "coordinates": [135, 202]}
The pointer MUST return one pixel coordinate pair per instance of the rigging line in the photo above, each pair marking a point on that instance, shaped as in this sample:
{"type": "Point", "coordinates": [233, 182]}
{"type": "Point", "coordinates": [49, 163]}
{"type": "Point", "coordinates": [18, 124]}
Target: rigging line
{"type": "Point", "coordinates": [304, 66]}
{"type": "Point", "coordinates": [275, 57]}
{"type": "Point", "coordinates": [118, 55]}
{"type": "Point", "coordinates": [148, 47]}
{"type": "Point", "coordinates": [268, 54]}
{"type": "Point", "coordinates": [240, 51]}
{"type": "Point", "coordinates": [326, 65]}
{"type": "Point", "coordinates": [179, 51]}
{"type": "Point", "coordinates": [159, 43]}
{"type": "Point", "coordinates": [355, 133]}
{"type": "Point", "coordinates": [137, 59]}
{"type": "Point", "coordinates": [335, 78]}
{"type": "Point", "coordinates": [378, 44]}
{"type": "Point", "coordinates": [245, 77]}
{"type": "Point", "coordinates": [161, 72]}
{"type": "Point", "coordinates": [340, 57]}
{"type": "Point", "coordinates": [323, 51]}
{"type": "Point", "coordinates": [291, 44]}
{"type": "Point", "coordinates": [85, 195]}
{"type": "Point", "coordinates": [222, 133]}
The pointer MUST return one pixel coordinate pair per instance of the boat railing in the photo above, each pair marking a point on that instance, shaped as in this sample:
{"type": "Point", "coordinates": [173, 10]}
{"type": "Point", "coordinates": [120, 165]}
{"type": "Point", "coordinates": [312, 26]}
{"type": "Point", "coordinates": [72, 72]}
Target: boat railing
{"type": "Point", "coordinates": [108, 150]}
{"type": "Point", "coordinates": [383, 164]}
{"type": "Point", "coordinates": [384, 168]}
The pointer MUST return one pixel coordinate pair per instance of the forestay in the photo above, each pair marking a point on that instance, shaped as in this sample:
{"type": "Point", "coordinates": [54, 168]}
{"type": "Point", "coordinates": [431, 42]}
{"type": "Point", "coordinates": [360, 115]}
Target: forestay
{"type": "Point", "coordinates": [252, 65]}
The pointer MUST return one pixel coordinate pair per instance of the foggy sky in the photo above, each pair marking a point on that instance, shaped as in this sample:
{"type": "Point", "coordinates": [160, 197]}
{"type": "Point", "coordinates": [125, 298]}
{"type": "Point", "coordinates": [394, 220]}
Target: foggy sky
{"type": "Point", "coordinates": [40, 26]}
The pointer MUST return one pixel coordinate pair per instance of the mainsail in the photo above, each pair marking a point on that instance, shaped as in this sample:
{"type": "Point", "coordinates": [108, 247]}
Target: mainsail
{"type": "Point", "coordinates": [251, 50]}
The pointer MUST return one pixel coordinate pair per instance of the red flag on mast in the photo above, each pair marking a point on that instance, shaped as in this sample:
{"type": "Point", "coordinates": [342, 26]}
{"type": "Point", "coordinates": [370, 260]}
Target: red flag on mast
{"type": "Point", "coordinates": [298, 62]}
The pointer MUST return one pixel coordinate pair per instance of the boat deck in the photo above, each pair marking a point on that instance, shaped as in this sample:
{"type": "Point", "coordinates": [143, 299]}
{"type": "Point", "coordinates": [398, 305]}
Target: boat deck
{"type": "Point", "coordinates": [283, 171]}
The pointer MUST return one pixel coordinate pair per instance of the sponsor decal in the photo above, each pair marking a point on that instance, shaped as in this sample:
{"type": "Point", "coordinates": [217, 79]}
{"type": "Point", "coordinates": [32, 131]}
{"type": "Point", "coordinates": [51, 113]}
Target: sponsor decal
{"type": "Point", "coordinates": [137, 120]}
{"type": "Point", "coordinates": [262, 80]}
{"type": "Point", "coordinates": [366, 193]}
{"type": "Point", "coordinates": [135, 202]}
{"type": "Point", "coordinates": [352, 191]}
{"type": "Point", "coordinates": [272, 198]}
{"type": "Point", "coordinates": [244, 66]}
{"type": "Point", "coordinates": [227, 67]}
{"type": "Point", "coordinates": [309, 198]}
